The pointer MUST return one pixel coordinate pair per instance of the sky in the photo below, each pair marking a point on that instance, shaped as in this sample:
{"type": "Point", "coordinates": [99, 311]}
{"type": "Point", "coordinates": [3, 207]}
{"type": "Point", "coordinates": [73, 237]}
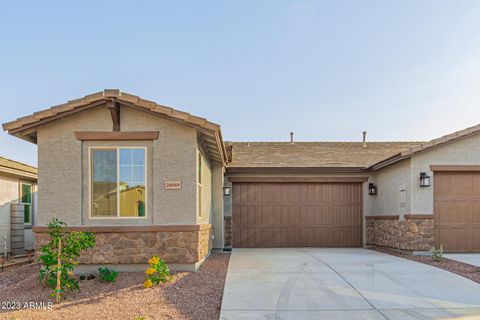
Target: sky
{"type": "Point", "coordinates": [327, 70]}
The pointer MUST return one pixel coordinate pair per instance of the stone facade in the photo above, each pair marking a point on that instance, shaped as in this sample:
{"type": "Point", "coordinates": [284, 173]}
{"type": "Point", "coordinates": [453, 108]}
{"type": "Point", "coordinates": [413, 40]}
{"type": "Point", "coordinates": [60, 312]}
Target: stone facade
{"type": "Point", "coordinates": [136, 247]}
{"type": "Point", "coordinates": [414, 234]}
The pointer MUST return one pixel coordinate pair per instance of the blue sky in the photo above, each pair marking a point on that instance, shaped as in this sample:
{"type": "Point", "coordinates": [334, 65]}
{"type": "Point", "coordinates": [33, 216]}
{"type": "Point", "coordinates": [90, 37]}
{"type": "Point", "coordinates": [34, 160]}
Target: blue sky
{"type": "Point", "coordinates": [402, 70]}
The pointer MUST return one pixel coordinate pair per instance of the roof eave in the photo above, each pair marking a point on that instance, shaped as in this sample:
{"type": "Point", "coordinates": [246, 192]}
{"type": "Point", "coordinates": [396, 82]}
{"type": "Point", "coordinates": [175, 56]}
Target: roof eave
{"type": "Point", "coordinates": [18, 173]}
{"type": "Point", "coordinates": [25, 127]}
{"type": "Point", "coordinates": [233, 169]}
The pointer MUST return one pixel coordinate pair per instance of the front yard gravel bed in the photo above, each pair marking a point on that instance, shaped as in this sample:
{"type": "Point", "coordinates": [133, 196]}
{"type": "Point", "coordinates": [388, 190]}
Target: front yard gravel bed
{"type": "Point", "coordinates": [463, 269]}
{"type": "Point", "coordinates": [189, 296]}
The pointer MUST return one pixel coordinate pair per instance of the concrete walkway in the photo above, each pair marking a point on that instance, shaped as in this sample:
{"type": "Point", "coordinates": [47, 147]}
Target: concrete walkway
{"type": "Point", "coordinates": [470, 258]}
{"type": "Point", "coordinates": [317, 283]}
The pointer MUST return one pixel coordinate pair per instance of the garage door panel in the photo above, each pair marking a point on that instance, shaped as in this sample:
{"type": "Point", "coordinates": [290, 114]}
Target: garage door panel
{"type": "Point", "coordinates": [476, 212]}
{"type": "Point", "coordinates": [457, 210]}
{"type": "Point", "coordinates": [455, 239]}
{"type": "Point", "coordinates": [326, 216]}
{"type": "Point", "coordinates": [297, 214]}
{"type": "Point", "coordinates": [476, 238]}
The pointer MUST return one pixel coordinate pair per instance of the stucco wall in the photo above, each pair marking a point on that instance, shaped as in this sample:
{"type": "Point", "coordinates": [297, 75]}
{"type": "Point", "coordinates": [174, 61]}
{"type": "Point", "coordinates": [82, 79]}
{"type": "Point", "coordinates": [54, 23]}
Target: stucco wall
{"type": "Point", "coordinates": [393, 190]}
{"type": "Point", "coordinates": [461, 152]}
{"type": "Point", "coordinates": [206, 205]}
{"type": "Point", "coordinates": [62, 167]}
{"type": "Point", "coordinates": [217, 205]}
{"type": "Point", "coordinates": [9, 193]}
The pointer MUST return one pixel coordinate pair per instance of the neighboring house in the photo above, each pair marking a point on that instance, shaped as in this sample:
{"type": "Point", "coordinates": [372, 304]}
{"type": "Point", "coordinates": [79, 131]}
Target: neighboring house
{"type": "Point", "coordinates": [18, 184]}
{"type": "Point", "coordinates": [149, 179]}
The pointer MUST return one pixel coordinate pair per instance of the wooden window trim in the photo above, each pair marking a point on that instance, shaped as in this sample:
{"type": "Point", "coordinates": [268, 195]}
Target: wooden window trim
{"type": "Point", "coordinates": [116, 135]}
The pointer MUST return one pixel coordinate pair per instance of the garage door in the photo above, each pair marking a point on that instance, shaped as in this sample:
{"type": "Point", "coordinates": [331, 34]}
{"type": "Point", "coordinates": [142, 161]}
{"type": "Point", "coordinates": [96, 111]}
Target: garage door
{"type": "Point", "coordinates": [457, 211]}
{"type": "Point", "coordinates": [297, 215]}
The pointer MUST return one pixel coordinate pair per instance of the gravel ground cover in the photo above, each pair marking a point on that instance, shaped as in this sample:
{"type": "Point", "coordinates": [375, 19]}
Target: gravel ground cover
{"type": "Point", "coordinates": [189, 296]}
{"type": "Point", "coordinates": [465, 270]}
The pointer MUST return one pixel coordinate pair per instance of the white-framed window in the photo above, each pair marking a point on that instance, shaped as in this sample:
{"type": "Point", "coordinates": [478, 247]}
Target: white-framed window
{"type": "Point", "coordinates": [118, 182]}
{"type": "Point", "coordinates": [199, 184]}
{"type": "Point", "coordinates": [26, 198]}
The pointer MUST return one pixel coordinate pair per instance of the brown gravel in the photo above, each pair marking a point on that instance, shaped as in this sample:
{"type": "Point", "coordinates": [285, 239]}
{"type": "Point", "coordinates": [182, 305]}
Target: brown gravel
{"type": "Point", "coordinates": [463, 269]}
{"type": "Point", "coordinates": [189, 296]}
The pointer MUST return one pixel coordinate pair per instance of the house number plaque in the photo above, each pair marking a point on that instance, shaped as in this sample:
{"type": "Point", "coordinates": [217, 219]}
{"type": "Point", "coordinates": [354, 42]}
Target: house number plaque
{"type": "Point", "coordinates": [173, 185]}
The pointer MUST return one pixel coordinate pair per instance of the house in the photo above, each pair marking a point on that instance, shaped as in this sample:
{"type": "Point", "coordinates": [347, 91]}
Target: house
{"type": "Point", "coordinates": [149, 179]}
{"type": "Point", "coordinates": [18, 185]}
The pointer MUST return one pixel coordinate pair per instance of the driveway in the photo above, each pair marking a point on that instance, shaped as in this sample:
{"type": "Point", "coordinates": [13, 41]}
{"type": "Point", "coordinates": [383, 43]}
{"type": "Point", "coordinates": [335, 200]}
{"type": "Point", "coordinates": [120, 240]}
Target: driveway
{"type": "Point", "coordinates": [317, 283]}
{"type": "Point", "coordinates": [470, 258]}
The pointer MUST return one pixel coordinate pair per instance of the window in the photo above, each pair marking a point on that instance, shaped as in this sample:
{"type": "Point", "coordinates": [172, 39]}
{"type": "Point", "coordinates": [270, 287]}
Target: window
{"type": "Point", "coordinates": [199, 184]}
{"type": "Point", "coordinates": [26, 197]}
{"type": "Point", "coordinates": [118, 182]}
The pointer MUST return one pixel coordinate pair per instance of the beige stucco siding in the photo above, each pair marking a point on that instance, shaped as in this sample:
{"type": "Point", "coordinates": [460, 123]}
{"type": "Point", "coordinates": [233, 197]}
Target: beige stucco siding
{"type": "Point", "coordinates": [204, 208]}
{"type": "Point", "coordinates": [63, 167]}
{"type": "Point", "coordinates": [394, 190]}
{"type": "Point", "coordinates": [217, 205]}
{"type": "Point", "coordinates": [461, 152]}
{"type": "Point", "coordinates": [8, 195]}
{"type": "Point", "coordinates": [60, 164]}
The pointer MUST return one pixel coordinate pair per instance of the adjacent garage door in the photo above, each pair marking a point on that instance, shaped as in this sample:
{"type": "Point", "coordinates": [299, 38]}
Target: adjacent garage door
{"type": "Point", "coordinates": [297, 215]}
{"type": "Point", "coordinates": [457, 211]}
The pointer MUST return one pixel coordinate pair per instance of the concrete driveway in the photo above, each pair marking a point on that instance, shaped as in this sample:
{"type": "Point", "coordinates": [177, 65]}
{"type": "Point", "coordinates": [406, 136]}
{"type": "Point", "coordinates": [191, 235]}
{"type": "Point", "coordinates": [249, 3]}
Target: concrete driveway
{"type": "Point", "coordinates": [470, 258]}
{"type": "Point", "coordinates": [317, 283]}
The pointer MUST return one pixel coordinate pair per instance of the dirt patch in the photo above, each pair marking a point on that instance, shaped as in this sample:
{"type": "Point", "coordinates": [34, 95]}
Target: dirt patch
{"type": "Point", "coordinates": [189, 296]}
{"type": "Point", "coordinates": [463, 269]}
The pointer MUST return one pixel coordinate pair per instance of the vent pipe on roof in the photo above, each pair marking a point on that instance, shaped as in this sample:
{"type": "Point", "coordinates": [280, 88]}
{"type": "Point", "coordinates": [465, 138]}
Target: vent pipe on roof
{"type": "Point", "coordinates": [291, 137]}
{"type": "Point", "coordinates": [364, 145]}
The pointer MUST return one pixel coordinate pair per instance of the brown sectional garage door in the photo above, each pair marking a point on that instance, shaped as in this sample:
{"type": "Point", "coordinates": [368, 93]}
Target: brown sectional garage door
{"type": "Point", "coordinates": [457, 211]}
{"type": "Point", "coordinates": [297, 214]}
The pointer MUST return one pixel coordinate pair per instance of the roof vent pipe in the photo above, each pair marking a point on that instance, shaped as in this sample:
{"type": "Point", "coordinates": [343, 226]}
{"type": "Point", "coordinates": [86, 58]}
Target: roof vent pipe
{"type": "Point", "coordinates": [364, 145]}
{"type": "Point", "coordinates": [291, 137]}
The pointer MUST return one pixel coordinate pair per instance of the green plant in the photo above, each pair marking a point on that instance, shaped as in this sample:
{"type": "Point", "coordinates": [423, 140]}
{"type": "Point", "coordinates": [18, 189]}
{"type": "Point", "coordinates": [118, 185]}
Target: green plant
{"type": "Point", "coordinates": [437, 254]}
{"type": "Point", "coordinates": [59, 257]}
{"type": "Point", "coordinates": [157, 272]}
{"type": "Point", "coordinates": [107, 274]}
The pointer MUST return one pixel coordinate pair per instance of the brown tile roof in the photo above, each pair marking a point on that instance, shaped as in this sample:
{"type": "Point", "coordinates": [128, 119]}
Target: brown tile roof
{"type": "Point", "coordinates": [404, 154]}
{"type": "Point", "coordinates": [15, 165]}
{"type": "Point", "coordinates": [22, 127]}
{"type": "Point", "coordinates": [313, 154]}
{"type": "Point", "coordinates": [108, 94]}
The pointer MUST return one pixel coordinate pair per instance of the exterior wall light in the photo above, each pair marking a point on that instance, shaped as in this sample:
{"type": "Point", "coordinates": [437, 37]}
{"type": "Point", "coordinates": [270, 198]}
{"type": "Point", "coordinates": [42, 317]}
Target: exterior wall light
{"type": "Point", "coordinates": [227, 191]}
{"type": "Point", "coordinates": [372, 189]}
{"type": "Point", "coordinates": [424, 179]}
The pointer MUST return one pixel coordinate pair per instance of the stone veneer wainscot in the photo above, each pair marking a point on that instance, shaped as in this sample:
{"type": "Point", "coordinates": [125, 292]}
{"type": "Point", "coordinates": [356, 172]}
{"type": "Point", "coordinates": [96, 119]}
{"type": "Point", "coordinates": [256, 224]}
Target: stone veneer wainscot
{"type": "Point", "coordinates": [414, 232]}
{"type": "Point", "coordinates": [183, 244]}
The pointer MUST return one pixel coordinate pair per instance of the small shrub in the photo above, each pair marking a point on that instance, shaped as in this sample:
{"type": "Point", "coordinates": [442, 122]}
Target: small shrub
{"type": "Point", "coordinates": [59, 257]}
{"type": "Point", "coordinates": [437, 254]}
{"type": "Point", "coordinates": [107, 274]}
{"type": "Point", "coordinates": [157, 272]}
